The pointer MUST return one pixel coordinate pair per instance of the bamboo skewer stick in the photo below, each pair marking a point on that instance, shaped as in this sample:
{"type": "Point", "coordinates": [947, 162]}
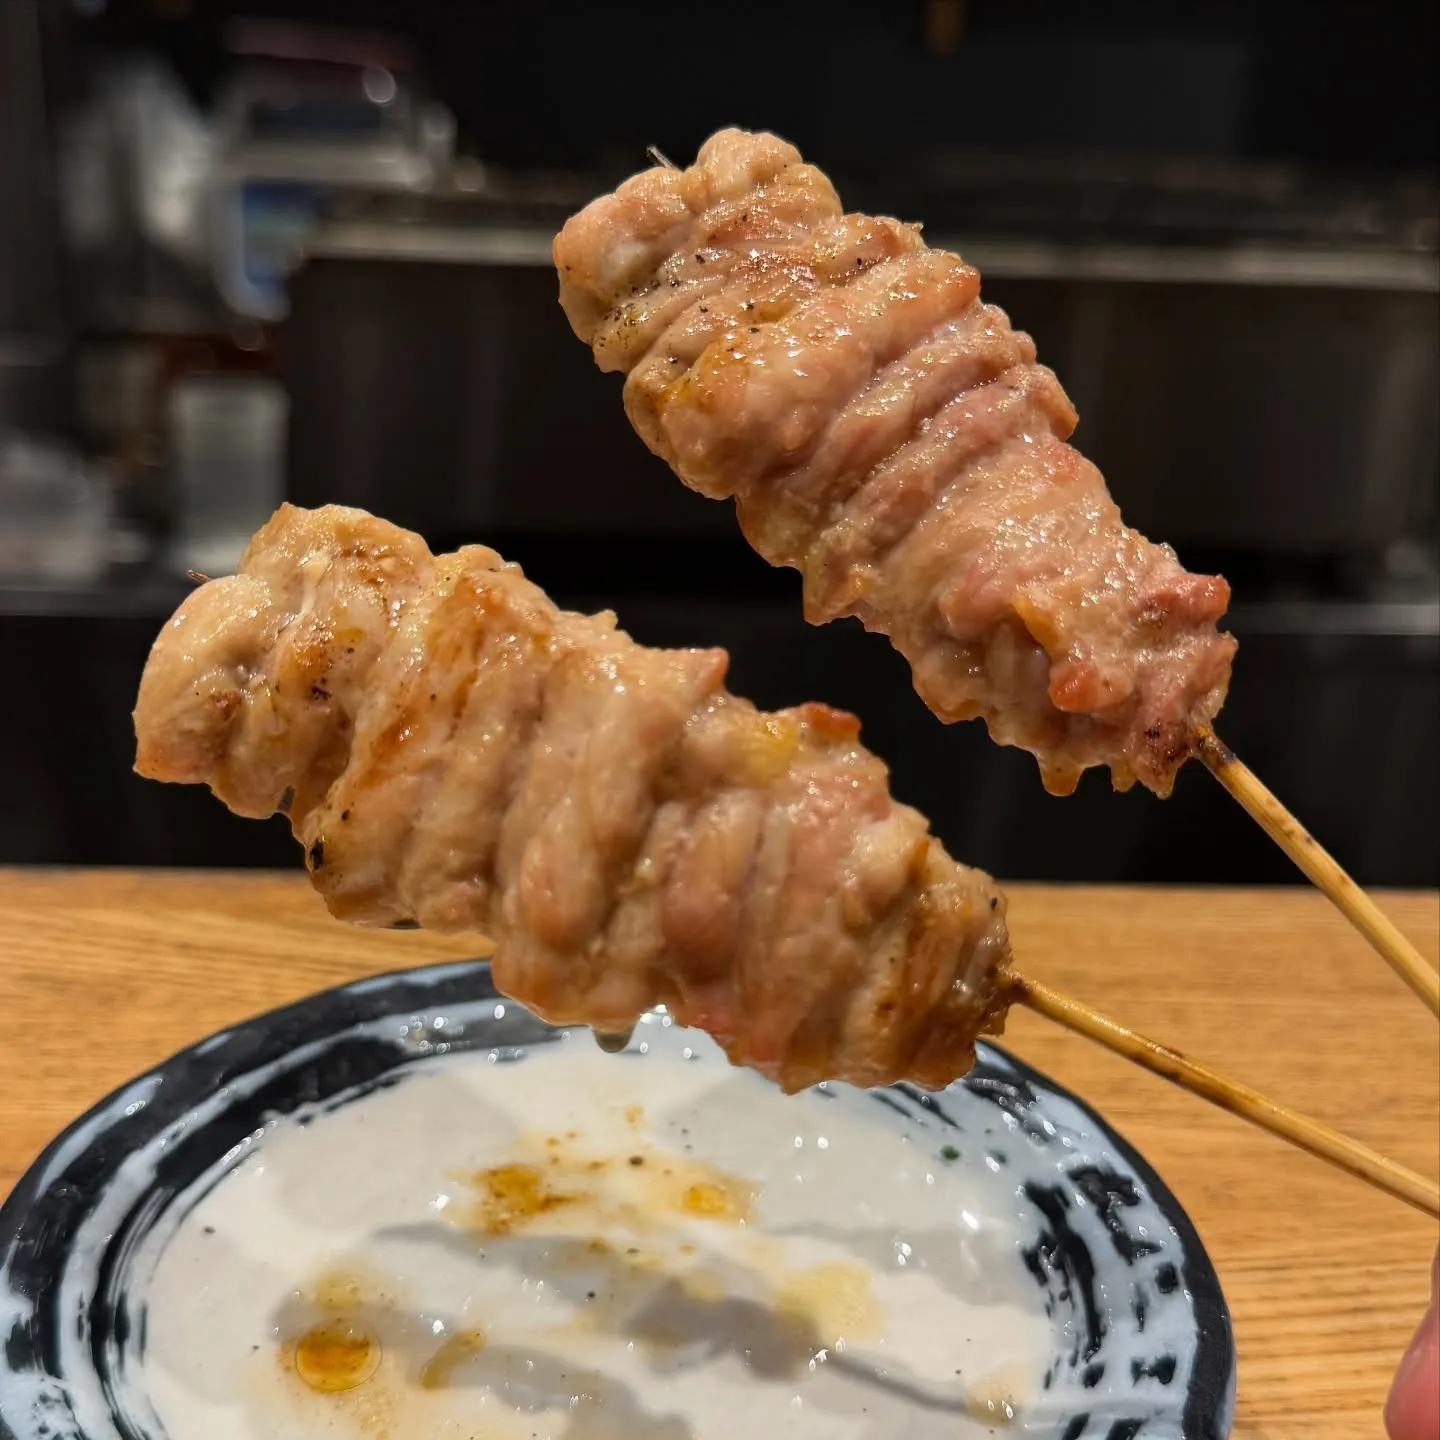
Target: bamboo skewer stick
{"type": "Point", "coordinates": [1320, 867]}
{"type": "Point", "coordinates": [1281, 1121]}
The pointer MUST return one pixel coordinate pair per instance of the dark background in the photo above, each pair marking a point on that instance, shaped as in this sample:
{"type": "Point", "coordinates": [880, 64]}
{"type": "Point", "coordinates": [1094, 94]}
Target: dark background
{"type": "Point", "coordinates": [1218, 220]}
{"type": "Point", "coordinates": [1339, 84]}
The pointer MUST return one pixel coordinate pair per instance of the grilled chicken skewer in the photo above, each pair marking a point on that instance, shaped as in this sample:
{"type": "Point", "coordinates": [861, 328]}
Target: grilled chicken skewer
{"type": "Point", "coordinates": [453, 750]}
{"type": "Point", "coordinates": [889, 435]}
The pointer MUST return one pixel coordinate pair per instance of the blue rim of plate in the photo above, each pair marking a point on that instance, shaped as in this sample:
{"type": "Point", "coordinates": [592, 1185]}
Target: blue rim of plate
{"type": "Point", "coordinates": [43, 1214]}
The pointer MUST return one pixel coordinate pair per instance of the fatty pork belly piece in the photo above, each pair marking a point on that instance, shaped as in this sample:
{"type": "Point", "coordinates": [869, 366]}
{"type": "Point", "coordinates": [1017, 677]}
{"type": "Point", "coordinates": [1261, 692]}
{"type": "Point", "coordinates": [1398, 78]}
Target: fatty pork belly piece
{"type": "Point", "coordinates": [888, 434]}
{"type": "Point", "coordinates": [454, 750]}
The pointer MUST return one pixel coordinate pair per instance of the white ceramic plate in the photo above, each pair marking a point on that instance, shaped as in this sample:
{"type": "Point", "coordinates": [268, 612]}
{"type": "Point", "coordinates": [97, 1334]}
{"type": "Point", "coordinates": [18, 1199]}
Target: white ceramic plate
{"type": "Point", "coordinates": [408, 1208]}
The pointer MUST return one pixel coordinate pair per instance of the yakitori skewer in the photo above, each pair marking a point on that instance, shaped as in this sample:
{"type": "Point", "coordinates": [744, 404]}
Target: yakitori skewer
{"type": "Point", "coordinates": [888, 434]}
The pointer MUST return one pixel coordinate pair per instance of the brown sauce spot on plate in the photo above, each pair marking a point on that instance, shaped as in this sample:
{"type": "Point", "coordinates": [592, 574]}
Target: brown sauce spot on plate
{"type": "Point", "coordinates": [510, 1195]}
{"type": "Point", "coordinates": [455, 1351]}
{"type": "Point", "coordinates": [336, 1355]}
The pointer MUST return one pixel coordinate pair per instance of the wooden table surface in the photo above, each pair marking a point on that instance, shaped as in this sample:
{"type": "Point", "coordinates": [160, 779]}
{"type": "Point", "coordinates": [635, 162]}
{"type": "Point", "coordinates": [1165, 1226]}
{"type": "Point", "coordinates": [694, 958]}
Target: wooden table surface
{"type": "Point", "coordinates": [104, 973]}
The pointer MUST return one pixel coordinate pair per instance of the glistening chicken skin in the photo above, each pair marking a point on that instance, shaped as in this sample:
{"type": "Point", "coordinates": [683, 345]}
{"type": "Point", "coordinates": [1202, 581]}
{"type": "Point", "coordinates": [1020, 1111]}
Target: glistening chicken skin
{"type": "Point", "coordinates": [888, 434]}
{"type": "Point", "coordinates": [454, 750]}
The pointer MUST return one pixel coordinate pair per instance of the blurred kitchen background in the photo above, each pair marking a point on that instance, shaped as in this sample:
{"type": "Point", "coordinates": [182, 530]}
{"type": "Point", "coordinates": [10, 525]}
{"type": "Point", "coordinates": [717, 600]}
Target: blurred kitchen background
{"type": "Point", "coordinates": [301, 249]}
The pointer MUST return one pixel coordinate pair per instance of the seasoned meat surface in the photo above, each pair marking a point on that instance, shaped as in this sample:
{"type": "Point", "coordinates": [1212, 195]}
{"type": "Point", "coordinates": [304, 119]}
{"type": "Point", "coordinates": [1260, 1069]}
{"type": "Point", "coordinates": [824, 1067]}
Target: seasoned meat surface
{"type": "Point", "coordinates": [452, 749]}
{"type": "Point", "coordinates": [888, 434]}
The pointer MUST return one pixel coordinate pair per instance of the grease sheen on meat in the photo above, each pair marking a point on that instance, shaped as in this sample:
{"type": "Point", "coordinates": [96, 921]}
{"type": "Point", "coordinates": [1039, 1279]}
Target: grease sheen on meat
{"type": "Point", "coordinates": [453, 749]}
{"type": "Point", "coordinates": [888, 434]}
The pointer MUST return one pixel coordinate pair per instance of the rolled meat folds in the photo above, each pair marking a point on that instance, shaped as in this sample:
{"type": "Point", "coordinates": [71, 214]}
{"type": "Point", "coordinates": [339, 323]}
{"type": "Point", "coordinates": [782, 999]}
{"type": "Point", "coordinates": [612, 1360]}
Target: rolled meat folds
{"type": "Point", "coordinates": [888, 434]}
{"type": "Point", "coordinates": [454, 750]}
